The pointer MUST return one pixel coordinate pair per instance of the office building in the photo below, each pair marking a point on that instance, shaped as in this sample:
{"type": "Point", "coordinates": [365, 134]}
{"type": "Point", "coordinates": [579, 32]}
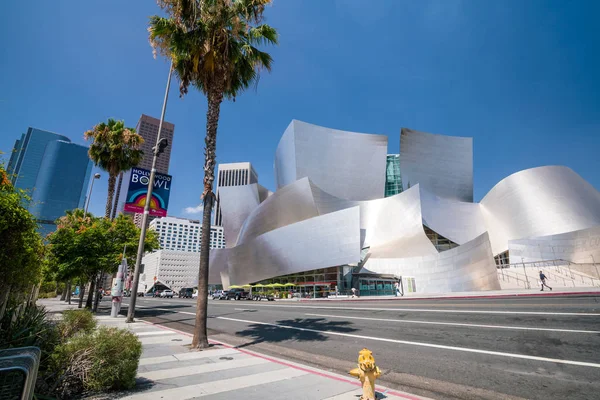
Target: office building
{"type": "Point", "coordinates": [169, 268]}
{"type": "Point", "coordinates": [232, 174]}
{"type": "Point", "coordinates": [54, 171]}
{"type": "Point", "coordinates": [329, 213]}
{"type": "Point", "coordinates": [147, 127]}
{"type": "Point", "coordinates": [182, 234]}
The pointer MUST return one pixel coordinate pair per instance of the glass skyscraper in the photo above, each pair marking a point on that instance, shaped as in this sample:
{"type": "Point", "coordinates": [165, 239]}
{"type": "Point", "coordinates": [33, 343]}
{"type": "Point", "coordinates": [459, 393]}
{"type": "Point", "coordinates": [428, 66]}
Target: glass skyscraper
{"type": "Point", "coordinates": [53, 171]}
{"type": "Point", "coordinates": [393, 180]}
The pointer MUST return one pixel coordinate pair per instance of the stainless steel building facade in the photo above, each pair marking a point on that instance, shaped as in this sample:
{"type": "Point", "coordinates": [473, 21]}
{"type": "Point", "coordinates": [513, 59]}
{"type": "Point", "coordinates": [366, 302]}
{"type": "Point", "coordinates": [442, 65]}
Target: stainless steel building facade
{"type": "Point", "coordinates": [332, 209]}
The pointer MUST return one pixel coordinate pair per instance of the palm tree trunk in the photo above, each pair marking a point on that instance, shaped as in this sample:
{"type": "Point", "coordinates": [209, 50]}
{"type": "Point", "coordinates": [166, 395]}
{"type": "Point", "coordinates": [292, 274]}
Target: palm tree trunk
{"type": "Point", "coordinates": [116, 201]}
{"type": "Point", "coordinates": [200, 339]}
{"type": "Point", "coordinates": [112, 179]}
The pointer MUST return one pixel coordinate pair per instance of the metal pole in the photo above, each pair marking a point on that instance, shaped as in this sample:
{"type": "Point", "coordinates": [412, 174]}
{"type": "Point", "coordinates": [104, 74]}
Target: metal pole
{"type": "Point", "coordinates": [140, 251]}
{"type": "Point", "coordinates": [525, 271]}
{"type": "Point", "coordinates": [595, 266]}
{"type": "Point", "coordinates": [87, 203]}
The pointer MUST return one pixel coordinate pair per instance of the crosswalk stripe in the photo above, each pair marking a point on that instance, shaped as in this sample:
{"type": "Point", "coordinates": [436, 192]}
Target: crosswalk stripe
{"type": "Point", "coordinates": [214, 387]}
{"type": "Point", "coordinates": [153, 333]}
{"type": "Point", "coordinates": [200, 369]}
{"type": "Point", "coordinates": [188, 356]}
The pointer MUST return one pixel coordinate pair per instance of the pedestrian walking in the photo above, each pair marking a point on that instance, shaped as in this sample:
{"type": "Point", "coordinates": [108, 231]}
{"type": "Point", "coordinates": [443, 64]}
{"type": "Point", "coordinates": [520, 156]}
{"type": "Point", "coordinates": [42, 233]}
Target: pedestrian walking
{"type": "Point", "coordinates": [353, 292]}
{"type": "Point", "coordinates": [543, 281]}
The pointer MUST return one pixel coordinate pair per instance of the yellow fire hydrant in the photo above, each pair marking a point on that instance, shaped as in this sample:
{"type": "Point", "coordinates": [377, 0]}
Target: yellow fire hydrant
{"type": "Point", "coordinates": [367, 372]}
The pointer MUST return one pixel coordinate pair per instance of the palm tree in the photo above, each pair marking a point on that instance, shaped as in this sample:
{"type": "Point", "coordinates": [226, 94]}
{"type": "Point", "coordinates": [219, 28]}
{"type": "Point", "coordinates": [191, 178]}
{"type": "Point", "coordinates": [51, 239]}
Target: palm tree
{"type": "Point", "coordinates": [213, 46]}
{"type": "Point", "coordinates": [115, 149]}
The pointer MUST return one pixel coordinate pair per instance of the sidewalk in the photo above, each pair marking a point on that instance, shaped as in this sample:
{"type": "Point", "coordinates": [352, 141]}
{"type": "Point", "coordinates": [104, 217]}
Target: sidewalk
{"type": "Point", "coordinates": [169, 370]}
{"type": "Point", "coordinates": [489, 294]}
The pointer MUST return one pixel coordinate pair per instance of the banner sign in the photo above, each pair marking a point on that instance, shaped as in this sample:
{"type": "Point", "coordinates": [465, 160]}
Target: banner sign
{"type": "Point", "coordinates": [138, 188]}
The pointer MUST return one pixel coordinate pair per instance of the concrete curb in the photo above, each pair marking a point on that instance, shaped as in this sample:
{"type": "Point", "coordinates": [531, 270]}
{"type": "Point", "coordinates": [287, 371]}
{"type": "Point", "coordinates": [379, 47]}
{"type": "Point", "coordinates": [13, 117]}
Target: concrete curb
{"type": "Point", "coordinates": [493, 296]}
{"type": "Point", "coordinates": [301, 367]}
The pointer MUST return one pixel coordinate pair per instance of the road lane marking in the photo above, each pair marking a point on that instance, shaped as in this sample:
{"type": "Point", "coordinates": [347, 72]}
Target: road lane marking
{"type": "Point", "coordinates": [436, 311]}
{"type": "Point", "coordinates": [524, 328]}
{"type": "Point", "coordinates": [436, 346]}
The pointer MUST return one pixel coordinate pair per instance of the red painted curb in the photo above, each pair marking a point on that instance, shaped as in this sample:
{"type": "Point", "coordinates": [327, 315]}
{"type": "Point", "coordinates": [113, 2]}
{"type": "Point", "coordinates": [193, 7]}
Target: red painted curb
{"type": "Point", "coordinates": [498, 296]}
{"type": "Point", "coordinates": [310, 371]}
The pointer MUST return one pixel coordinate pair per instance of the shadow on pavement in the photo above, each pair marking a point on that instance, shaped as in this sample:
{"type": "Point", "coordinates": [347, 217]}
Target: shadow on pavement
{"type": "Point", "coordinates": [273, 334]}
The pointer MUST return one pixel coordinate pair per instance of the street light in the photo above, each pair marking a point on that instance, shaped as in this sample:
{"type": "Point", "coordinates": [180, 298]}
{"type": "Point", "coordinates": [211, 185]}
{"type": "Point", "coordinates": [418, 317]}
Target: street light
{"type": "Point", "coordinates": [158, 148]}
{"type": "Point", "coordinates": [87, 203]}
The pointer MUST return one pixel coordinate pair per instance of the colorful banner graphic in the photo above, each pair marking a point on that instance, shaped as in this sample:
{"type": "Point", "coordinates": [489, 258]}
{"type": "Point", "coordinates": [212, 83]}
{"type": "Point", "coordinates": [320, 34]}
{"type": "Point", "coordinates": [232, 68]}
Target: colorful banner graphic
{"type": "Point", "coordinates": [138, 188]}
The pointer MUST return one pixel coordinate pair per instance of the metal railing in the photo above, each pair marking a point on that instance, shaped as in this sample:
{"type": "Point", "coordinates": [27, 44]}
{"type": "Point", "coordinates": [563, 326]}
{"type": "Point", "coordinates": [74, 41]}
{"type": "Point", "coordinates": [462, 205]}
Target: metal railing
{"type": "Point", "coordinates": [557, 270]}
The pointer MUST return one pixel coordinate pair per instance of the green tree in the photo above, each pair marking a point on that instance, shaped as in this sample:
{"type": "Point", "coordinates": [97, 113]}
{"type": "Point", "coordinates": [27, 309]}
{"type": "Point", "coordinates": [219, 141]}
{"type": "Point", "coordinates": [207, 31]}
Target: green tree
{"type": "Point", "coordinates": [213, 45]}
{"type": "Point", "coordinates": [83, 245]}
{"type": "Point", "coordinates": [115, 149]}
{"type": "Point", "coordinates": [22, 249]}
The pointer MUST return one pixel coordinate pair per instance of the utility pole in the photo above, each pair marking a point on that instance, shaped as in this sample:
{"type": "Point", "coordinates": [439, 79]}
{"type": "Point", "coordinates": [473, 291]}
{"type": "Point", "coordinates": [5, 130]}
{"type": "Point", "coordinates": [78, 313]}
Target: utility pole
{"type": "Point", "coordinates": [160, 146]}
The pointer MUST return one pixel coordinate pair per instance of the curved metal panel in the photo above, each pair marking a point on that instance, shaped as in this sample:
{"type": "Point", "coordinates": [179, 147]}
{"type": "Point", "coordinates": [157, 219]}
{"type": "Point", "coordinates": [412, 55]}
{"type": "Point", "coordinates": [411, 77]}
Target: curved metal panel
{"type": "Point", "coordinates": [441, 164]}
{"type": "Point", "coordinates": [539, 202]}
{"type": "Point", "coordinates": [319, 242]}
{"type": "Point", "coordinates": [237, 203]}
{"type": "Point", "coordinates": [348, 165]}
{"type": "Point", "coordinates": [582, 246]}
{"type": "Point", "coordinates": [456, 220]}
{"type": "Point", "coordinates": [293, 203]}
{"type": "Point", "coordinates": [464, 268]}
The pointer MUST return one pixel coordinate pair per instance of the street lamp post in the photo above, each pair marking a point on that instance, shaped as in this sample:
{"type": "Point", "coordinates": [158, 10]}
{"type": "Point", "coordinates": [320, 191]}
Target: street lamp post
{"type": "Point", "coordinates": [156, 150]}
{"type": "Point", "coordinates": [87, 203]}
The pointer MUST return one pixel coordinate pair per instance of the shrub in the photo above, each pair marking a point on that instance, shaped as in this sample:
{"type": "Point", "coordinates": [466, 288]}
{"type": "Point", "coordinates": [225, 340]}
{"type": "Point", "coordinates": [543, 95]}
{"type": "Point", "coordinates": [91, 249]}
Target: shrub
{"type": "Point", "coordinates": [30, 326]}
{"type": "Point", "coordinates": [105, 359]}
{"type": "Point", "coordinates": [75, 321]}
{"type": "Point", "coordinates": [47, 295]}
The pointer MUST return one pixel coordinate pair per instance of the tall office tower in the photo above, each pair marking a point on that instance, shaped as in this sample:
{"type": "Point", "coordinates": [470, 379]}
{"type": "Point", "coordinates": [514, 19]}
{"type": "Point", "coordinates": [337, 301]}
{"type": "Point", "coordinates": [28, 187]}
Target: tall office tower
{"type": "Point", "coordinates": [232, 174]}
{"type": "Point", "coordinates": [54, 171]}
{"type": "Point", "coordinates": [147, 127]}
{"type": "Point", "coordinates": [393, 179]}
{"type": "Point", "coordinates": [185, 234]}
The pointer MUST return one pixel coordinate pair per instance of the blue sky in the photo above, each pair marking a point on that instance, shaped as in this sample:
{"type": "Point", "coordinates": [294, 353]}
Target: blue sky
{"type": "Point", "coordinates": [520, 77]}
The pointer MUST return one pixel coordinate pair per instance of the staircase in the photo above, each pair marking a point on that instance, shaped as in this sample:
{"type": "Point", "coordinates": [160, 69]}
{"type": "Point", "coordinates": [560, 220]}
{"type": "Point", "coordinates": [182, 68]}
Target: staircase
{"type": "Point", "coordinates": [559, 274]}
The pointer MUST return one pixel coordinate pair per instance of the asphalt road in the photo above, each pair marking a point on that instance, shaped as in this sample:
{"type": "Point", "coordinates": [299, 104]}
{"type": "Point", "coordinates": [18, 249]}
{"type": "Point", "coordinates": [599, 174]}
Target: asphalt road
{"type": "Point", "coordinates": [532, 348]}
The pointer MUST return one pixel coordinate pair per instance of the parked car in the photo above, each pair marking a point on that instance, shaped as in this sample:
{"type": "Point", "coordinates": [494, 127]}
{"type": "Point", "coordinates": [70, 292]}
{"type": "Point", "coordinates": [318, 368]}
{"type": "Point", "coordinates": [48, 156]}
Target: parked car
{"type": "Point", "coordinates": [216, 294]}
{"type": "Point", "coordinates": [237, 294]}
{"type": "Point", "coordinates": [167, 293]}
{"type": "Point", "coordinates": [186, 293]}
{"type": "Point", "coordinates": [222, 295]}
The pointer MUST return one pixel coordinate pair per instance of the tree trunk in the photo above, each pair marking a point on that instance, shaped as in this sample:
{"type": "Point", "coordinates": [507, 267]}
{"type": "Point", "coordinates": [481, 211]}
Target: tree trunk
{"type": "Point", "coordinates": [63, 296]}
{"type": "Point", "coordinates": [88, 303]}
{"type": "Point", "coordinates": [81, 293]}
{"type": "Point", "coordinates": [69, 292]}
{"type": "Point", "coordinates": [99, 287]}
{"type": "Point", "coordinates": [117, 193]}
{"type": "Point", "coordinates": [112, 179]}
{"type": "Point", "coordinates": [200, 339]}
{"type": "Point", "coordinates": [4, 302]}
